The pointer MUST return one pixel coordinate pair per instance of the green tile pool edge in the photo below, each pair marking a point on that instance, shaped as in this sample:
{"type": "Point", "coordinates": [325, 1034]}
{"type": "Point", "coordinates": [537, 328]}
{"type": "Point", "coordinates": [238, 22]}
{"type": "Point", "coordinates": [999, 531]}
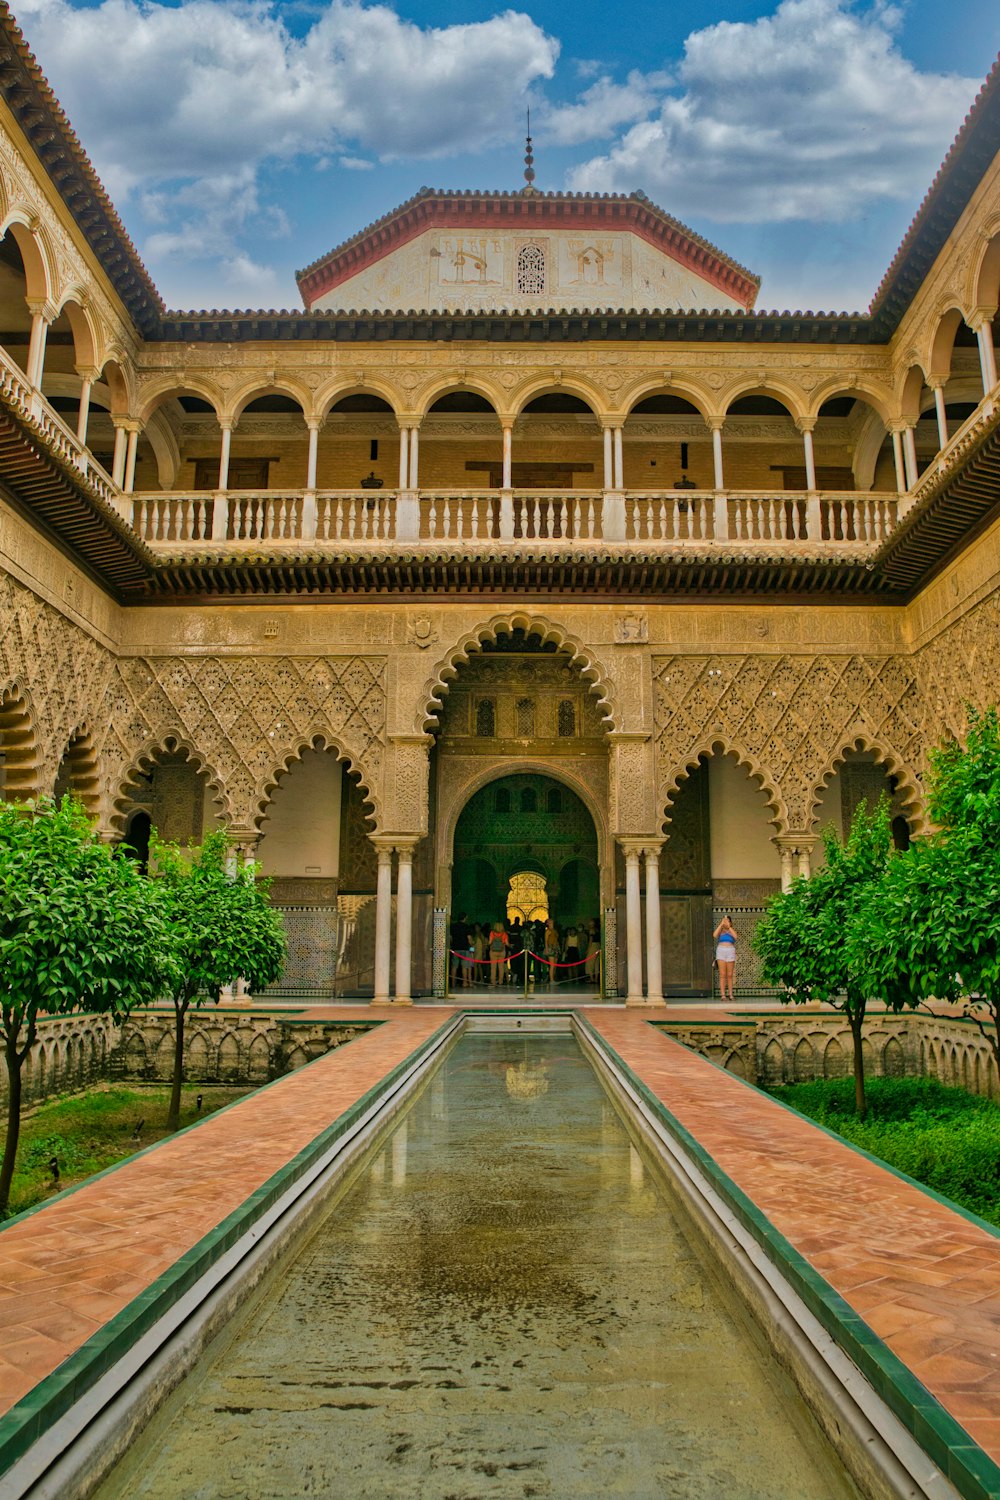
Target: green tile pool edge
{"type": "Point", "coordinates": [26, 1421]}
{"type": "Point", "coordinates": [116, 1166]}
{"type": "Point", "coordinates": [969, 1467]}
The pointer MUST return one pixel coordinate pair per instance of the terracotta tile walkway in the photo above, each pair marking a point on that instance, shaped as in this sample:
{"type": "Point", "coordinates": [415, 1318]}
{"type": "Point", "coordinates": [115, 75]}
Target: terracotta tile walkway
{"type": "Point", "coordinates": [69, 1268]}
{"type": "Point", "coordinates": [924, 1279]}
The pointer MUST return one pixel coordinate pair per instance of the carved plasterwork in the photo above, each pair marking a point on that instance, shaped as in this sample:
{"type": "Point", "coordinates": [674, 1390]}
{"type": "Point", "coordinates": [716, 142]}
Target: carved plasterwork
{"type": "Point", "coordinates": [60, 669]}
{"type": "Point", "coordinates": [247, 718]}
{"type": "Point", "coordinates": [788, 719]}
{"type": "Point", "coordinates": [406, 809]}
{"type": "Point", "coordinates": [631, 785]}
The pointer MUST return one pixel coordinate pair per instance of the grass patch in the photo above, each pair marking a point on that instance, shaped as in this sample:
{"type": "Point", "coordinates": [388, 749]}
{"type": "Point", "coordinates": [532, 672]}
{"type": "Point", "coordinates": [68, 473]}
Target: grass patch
{"type": "Point", "coordinates": [943, 1137]}
{"type": "Point", "coordinates": [90, 1131]}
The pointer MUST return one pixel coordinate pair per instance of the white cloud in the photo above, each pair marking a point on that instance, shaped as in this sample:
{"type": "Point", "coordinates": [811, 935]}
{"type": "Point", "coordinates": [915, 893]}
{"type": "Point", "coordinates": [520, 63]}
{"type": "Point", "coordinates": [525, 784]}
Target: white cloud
{"type": "Point", "coordinates": [181, 106]}
{"type": "Point", "coordinates": [602, 109]}
{"type": "Point", "coordinates": [809, 113]}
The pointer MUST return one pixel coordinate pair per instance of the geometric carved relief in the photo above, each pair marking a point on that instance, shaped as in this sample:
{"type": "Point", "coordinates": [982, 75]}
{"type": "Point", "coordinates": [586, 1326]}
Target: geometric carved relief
{"type": "Point", "coordinates": [64, 668]}
{"type": "Point", "coordinates": [245, 717]}
{"type": "Point", "coordinates": [960, 666]}
{"type": "Point", "coordinates": [790, 717]}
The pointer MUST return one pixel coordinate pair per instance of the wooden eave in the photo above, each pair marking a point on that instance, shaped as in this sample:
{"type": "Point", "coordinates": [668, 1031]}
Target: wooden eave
{"type": "Point", "coordinates": [503, 327]}
{"type": "Point", "coordinates": [39, 115]}
{"type": "Point", "coordinates": [947, 518]}
{"type": "Point", "coordinates": [58, 500]}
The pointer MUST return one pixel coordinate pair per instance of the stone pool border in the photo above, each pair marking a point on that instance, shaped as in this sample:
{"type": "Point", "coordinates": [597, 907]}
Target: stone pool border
{"type": "Point", "coordinates": [32, 1419]}
{"type": "Point", "coordinates": [965, 1464]}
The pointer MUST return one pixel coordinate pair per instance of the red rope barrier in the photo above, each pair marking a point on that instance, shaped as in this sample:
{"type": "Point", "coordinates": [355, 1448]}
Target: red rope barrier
{"type": "Point", "coordinates": [505, 958]}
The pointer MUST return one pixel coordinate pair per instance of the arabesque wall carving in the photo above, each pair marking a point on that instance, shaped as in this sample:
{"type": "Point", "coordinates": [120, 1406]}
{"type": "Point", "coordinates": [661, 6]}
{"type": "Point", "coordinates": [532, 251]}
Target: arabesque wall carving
{"type": "Point", "coordinates": [789, 718]}
{"type": "Point", "coordinates": [247, 717]}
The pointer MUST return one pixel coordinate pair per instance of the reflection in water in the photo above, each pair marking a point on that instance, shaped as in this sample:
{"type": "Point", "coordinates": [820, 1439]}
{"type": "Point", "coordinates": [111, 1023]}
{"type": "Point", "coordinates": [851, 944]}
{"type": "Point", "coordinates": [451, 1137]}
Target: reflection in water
{"type": "Point", "coordinates": [510, 1311]}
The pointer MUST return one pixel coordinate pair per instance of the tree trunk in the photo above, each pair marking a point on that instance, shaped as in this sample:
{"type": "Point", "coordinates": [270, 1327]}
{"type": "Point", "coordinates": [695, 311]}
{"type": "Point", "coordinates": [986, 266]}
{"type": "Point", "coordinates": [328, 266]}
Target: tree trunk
{"type": "Point", "coordinates": [174, 1113]}
{"type": "Point", "coordinates": [14, 1060]}
{"type": "Point", "coordinates": [856, 1021]}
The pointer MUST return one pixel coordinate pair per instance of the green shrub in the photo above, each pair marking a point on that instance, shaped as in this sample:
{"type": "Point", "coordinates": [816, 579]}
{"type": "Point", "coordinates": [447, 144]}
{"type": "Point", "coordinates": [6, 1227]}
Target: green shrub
{"type": "Point", "coordinates": [945, 1138]}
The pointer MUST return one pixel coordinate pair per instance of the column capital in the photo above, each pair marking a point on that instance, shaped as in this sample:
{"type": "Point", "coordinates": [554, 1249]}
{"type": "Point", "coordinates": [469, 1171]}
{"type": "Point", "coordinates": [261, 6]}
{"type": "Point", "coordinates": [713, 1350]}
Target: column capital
{"type": "Point", "coordinates": [978, 318]}
{"type": "Point", "coordinates": [653, 848]}
{"type": "Point", "coordinates": [804, 426]}
{"type": "Point", "coordinates": [632, 847]}
{"type": "Point", "coordinates": [936, 382]}
{"type": "Point", "coordinates": [88, 372]}
{"type": "Point", "coordinates": [41, 307]}
{"type": "Point", "coordinates": [715, 424]}
{"type": "Point", "coordinates": [316, 424]}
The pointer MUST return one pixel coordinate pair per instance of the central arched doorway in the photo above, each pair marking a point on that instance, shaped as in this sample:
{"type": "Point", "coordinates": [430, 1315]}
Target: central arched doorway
{"type": "Point", "coordinates": [526, 848]}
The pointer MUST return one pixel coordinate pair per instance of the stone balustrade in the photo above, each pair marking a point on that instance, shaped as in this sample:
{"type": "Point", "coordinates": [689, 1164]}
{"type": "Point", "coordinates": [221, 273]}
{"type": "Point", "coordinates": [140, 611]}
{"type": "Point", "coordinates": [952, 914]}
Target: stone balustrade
{"type": "Point", "coordinates": [470, 519]}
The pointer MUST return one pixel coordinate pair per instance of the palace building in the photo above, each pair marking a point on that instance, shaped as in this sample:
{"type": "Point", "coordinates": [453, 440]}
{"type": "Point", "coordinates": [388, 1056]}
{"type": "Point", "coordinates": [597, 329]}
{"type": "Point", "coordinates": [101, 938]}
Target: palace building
{"type": "Point", "coordinates": [529, 567]}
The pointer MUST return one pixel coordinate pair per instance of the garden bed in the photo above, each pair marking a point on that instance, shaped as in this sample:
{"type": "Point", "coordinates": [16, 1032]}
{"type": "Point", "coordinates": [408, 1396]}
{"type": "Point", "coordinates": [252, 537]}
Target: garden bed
{"type": "Point", "coordinates": [945, 1138]}
{"type": "Point", "coordinates": [90, 1131]}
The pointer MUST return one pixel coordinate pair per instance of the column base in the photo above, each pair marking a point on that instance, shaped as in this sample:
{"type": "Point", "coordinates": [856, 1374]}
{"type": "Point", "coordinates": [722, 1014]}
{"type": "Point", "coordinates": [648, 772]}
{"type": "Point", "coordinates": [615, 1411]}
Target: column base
{"type": "Point", "coordinates": [402, 1000]}
{"type": "Point", "coordinates": [637, 1002]}
{"type": "Point", "coordinates": [381, 1000]}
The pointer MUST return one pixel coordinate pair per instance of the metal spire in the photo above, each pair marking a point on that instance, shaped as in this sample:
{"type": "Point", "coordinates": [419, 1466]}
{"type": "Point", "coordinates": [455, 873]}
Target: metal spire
{"type": "Point", "coordinates": [529, 162]}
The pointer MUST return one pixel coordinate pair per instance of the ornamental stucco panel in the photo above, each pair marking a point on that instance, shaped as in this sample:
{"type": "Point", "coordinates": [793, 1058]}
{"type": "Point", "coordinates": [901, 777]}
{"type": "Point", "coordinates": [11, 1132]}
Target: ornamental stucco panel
{"type": "Point", "coordinates": [246, 718]}
{"type": "Point", "coordinates": [788, 719]}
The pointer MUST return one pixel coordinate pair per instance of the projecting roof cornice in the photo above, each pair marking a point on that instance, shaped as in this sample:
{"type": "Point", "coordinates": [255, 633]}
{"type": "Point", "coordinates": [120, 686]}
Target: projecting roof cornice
{"type": "Point", "coordinates": [38, 112]}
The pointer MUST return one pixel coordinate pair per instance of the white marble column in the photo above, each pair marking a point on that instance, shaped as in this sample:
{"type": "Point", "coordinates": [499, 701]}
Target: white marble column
{"type": "Point", "coordinates": [897, 455]}
{"type": "Point", "coordinates": [786, 854]}
{"type": "Point", "coordinates": [807, 444]}
{"type": "Point", "coordinates": [720, 477]}
{"type": "Point", "coordinates": [41, 317]}
{"type": "Point", "coordinates": [313, 424]}
{"type": "Point", "coordinates": [805, 849]}
{"type": "Point", "coordinates": [383, 923]}
{"type": "Point", "coordinates": [654, 967]}
{"type": "Point", "coordinates": [118, 459]}
{"type": "Point", "coordinates": [130, 455]}
{"type": "Point", "coordinates": [609, 462]}
{"type": "Point", "coordinates": [940, 412]}
{"type": "Point", "coordinates": [987, 353]}
{"type": "Point", "coordinates": [910, 457]}
{"type": "Point", "coordinates": [404, 923]}
{"type": "Point", "coordinates": [224, 452]}
{"type": "Point", "coordinates": [633, 925]}
{"type": "Point", "coordinates": [507, 433]}
{"type": "Point", "coordinates": [83, 417]}
{"type": "Point", "coordinates": [414, 458]}
{"type": "Point", "coordinates": [404, 456]}
{"type": "Point", "coordinates": [619, 460]}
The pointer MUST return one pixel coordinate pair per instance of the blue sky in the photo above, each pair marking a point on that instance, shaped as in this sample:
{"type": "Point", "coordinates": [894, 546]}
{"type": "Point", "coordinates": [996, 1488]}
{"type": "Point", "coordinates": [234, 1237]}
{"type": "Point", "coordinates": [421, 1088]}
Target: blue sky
{"type": "Point", "coordinates": [241, 141]}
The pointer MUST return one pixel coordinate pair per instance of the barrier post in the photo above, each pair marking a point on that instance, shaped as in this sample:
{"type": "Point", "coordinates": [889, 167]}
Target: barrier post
{"type": "Point", "coordinates": [525, 967]}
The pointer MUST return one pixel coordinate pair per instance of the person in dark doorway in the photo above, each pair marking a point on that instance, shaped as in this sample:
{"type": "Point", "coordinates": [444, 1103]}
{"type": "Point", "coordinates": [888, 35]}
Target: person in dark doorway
{"type": "Point", "coordinates": [498, 953]}
{"type": "Point", "coordinates": [517, 938]}
{"type": "Point", "coordinates": [593, 950]}
{"type": "Point", "coordinates": [459, 942]}
{"type": "Point", "coordinates": [571, 953]}
{"type": "Point", "coordinates": [551, 950]}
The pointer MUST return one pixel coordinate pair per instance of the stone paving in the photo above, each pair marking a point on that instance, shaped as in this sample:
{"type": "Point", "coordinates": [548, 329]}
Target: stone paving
{"type": "Point", "coordinates": [924, 1278]}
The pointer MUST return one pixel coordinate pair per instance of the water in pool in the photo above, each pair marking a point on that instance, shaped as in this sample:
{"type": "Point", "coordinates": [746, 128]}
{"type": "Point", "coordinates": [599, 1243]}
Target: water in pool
{"type": "Point", "coordinates": [501, 1306]}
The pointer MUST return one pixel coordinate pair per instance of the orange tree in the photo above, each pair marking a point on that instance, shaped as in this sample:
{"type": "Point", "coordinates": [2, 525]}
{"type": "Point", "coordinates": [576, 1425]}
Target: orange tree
{"type": "Point", "coordinates": [933, 928]}
{"type": "Point", "coordinates": [814, 937]}
{"type": "Point", "coordinates": [221, 927]}
{"type": "Point", "coordinates": [80, 930]}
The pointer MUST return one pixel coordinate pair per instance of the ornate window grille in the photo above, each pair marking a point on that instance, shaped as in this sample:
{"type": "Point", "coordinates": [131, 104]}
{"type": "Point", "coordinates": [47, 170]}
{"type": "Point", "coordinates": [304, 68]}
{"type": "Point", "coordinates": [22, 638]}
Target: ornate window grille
{"type": "Point", "coordinates": [567, 719]}
{"type": "Point", "coordinates": [531, 270]}
{"type": "Point", "coordinates": [485, 719]}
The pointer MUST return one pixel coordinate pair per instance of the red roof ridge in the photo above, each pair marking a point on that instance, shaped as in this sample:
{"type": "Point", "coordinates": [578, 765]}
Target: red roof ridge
{"type": "Point", "coordinates": [71, 142]}
{"type": "Point", "coordinates": [428, 196]}
{"type": "Point", "coordinates": [941, 178]}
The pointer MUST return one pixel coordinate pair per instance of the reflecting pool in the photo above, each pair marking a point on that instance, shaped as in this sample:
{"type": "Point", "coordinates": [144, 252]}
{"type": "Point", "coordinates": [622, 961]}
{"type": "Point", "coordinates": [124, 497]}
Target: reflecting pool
{"type": "Point", "coordinates": [503, 1306]}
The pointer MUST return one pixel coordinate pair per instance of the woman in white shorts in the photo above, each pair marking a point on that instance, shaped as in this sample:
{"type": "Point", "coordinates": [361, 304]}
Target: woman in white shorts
{"type": "Point", "coordinates": [725, 957]}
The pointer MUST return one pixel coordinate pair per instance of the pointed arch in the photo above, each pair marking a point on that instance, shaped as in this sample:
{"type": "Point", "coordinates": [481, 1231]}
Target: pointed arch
{"type": "Point", "coordinates": [19, 743]}
{"type": "Point", "coordinates": [719, 744]}
{"type": "Point", "coordinates": [580, 655]}
{"type": "Point", "coordinates": [318, 739]}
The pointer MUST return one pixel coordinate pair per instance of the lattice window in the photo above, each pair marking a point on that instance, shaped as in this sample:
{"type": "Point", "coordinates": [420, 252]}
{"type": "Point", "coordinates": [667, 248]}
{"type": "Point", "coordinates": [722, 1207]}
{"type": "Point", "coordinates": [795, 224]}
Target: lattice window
{"type": "Point", "coordinates": [529, 800]}
{"type": "Point", "coordinates": [486, 719]}
{"type": "Point", "coordinates": [531, 270]}
{"type": "Point", "coordinates": [502, 800]}
{"type": "Point", "coordinates": [524, 715]}
{"type": "Point", "coordinates": [567, 719]}
{"type": "Point", "coordinates": [527, 898]}
{"type": "Point", "coordinates": [553, 800]}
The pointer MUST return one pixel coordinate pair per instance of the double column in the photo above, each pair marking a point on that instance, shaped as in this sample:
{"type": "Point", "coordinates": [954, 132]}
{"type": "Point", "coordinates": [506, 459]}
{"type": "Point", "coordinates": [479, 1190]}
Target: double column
{"type": "Point", "coordinates": [638, 852]}
{"type": "Point", "coordinates": [795, 851]}
{"type": "Point", "coordinates": [386, 846]}
{"type": "Point", "coordinates": [409, 455]}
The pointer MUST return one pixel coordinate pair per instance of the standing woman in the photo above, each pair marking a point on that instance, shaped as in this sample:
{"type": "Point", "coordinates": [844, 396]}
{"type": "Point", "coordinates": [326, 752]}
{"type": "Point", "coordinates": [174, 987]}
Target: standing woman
{"type": "Point", "coordinates": [725, 957]}
{"type": "Point", "coordinates": [498, 953]}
